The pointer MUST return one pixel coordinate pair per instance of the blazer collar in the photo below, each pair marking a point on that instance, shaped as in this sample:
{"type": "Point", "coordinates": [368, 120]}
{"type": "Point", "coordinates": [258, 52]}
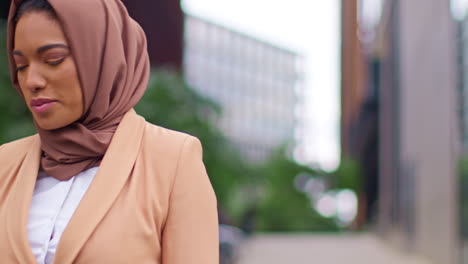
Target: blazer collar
{"type": "Point", "coordinates": [112, 174]}
{"type": "Point", "coordinates": [18, 206]}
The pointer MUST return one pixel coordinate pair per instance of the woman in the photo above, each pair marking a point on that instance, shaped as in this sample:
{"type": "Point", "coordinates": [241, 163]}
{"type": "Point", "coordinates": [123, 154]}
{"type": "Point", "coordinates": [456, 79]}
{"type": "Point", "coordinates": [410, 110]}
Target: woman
{"type": "Point", "coordinates": [97, 184]}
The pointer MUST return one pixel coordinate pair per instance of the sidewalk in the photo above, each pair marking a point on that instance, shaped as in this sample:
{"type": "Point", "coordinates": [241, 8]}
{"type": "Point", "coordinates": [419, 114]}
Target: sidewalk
{"type": "Point", "coordinates": [321, 249]}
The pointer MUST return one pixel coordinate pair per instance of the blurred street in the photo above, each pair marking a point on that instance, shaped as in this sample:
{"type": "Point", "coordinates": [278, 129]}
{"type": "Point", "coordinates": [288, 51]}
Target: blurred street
{"type": "Point", "coordinates": [299, 249]}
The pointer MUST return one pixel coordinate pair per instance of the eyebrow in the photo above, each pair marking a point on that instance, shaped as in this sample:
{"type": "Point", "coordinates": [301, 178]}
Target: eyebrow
{"type": "Point", "coordinates": [44, 48]}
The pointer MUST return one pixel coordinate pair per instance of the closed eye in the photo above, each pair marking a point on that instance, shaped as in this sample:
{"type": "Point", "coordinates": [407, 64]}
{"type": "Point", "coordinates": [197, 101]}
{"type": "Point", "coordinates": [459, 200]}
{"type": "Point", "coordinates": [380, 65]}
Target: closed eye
{"type": "Point", "coordinates": [20, 68]}
{"type": "Point", "coordinates": [55, 62]}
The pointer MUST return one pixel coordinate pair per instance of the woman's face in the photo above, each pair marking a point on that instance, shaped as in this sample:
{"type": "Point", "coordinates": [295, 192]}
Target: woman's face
{"type": "Point", "coordinates": [46, 71]}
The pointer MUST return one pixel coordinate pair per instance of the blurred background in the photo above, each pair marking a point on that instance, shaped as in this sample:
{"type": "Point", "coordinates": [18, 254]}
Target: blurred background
{"type": "Point", "coordinates": [333, 131]}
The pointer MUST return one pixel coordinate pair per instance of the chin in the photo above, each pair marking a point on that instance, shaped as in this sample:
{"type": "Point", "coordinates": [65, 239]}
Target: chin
{"type": "Point", "coordinates": [51, 121]}
{"type": "Point", "coordinates": [49, 126]}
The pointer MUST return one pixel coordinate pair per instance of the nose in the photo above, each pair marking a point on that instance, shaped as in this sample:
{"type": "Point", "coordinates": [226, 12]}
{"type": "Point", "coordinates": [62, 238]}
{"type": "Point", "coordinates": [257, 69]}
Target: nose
{"type": "Point", "coordinates": [34, 81]}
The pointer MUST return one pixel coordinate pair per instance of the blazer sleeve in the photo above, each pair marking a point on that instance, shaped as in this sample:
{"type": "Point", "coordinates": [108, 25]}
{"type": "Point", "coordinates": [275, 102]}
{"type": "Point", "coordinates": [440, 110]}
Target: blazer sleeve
{"type": "Point", "coordinates": [190, 233]}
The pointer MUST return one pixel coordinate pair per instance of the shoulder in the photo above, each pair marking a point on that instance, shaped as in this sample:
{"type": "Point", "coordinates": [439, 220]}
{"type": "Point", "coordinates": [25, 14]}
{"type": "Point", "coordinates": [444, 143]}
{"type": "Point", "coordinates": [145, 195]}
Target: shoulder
{"type": "Point", "coordinates": [17, 148]}
{"type": "Point", "coordinates": [167, 146]}
{"type": "Point", "coordinates": [169, 139]}
{"type": "Point", "coordinates": [164, 150]}
{"type": "Point", "coordinates": [11, 156]}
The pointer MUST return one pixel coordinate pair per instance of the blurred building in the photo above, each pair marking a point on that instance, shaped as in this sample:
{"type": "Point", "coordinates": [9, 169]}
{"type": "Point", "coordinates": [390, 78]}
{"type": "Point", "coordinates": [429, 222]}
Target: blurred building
{"type": "Point", "coordinates": [409, 51]}
{"type": "Point", "coordinates": [352, 67]}
{"type": "Point", "coordinates": [163, 22]}
{"type": "Point", "coordinates": [463, 80]}
{"type": "Point", "coordinates": [254, 82]}
{"type": "Point", "coordinates": [463, 127]}
{"type": "Point", "coordinates": [359, 111]}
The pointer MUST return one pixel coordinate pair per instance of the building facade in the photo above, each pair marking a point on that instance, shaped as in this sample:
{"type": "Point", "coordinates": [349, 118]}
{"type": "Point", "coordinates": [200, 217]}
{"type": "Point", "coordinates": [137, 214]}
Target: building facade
{"type": "Point", "coordinates": [412, 69]}
{"type": "Point", "coordinates": [163, 22]}
{"type": "Point", "coordinates": [463, 128]}
{"type": "Point", "coordinates": [353, 89]}
{"type": "Point", "coordinates": [254, 82]}
{"type": "Point", "coordinates": [359, 111]}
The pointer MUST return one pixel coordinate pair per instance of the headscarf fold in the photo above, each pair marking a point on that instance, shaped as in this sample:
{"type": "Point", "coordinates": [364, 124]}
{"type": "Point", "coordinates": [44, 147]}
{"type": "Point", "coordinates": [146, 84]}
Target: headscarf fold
{"type": "Point", "coordinates": [110, 52]}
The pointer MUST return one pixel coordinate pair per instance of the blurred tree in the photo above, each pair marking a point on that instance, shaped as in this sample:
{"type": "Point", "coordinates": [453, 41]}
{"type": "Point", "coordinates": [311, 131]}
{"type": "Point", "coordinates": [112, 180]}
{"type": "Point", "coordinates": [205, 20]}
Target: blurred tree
{"type": "Point", "coordinates": [282, 206]}
{"type": "Point", "coordinates": [15, 118]}
{"type": "Point", "coordinates": [463, 193]}
{"type": "Point", "coordinates": [348, 176]}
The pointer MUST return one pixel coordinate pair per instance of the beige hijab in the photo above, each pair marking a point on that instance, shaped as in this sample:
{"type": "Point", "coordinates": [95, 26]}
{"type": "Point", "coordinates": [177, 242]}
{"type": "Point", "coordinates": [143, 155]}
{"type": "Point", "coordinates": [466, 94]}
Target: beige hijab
{"type": "Point", "coordinates": [109, 48]}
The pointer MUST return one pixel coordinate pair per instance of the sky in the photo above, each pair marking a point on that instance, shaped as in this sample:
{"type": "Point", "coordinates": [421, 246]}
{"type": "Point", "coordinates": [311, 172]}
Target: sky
{"type": "Point", "coordinates": [311, 28]}
{"type": "Point", "coordinates": [459, 8]}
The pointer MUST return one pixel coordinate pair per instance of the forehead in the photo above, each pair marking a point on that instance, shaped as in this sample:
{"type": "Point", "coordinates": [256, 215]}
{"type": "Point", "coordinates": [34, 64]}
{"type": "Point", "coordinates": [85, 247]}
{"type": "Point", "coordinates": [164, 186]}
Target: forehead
{"type": "Point", "coordinates": [35, 29]}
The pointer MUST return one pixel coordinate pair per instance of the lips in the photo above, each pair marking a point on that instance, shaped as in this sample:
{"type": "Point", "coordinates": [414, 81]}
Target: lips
{"type": "Point", "coordinates": [40, 105]}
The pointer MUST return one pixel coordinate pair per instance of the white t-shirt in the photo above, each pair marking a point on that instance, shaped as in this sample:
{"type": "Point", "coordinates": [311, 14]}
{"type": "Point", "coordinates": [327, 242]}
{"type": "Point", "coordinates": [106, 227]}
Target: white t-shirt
{"type": "Point", "coordinates": [52, 206]}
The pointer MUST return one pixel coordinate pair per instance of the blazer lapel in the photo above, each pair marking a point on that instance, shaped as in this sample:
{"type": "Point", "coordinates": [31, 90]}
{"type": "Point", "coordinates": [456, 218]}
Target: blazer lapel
{"type": "Point", "coordinates": [18, 206]}
{"type": "Point", "coordinates": [112, 174]}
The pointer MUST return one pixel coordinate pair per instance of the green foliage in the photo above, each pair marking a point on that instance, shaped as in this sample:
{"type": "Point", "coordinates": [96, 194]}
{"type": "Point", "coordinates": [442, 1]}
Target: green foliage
{"type": "Point", "coordinates": [463, 171]}
{"type": "Point", "coordinates": [283, 207]}
{"type": "Point", "coordinates": [15, 119]}
{"type": "Point", "coordinates": [348, 176]}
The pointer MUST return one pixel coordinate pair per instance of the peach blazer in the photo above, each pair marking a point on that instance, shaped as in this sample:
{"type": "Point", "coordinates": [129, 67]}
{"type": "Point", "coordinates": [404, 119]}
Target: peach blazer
{"type": "Point", "coordinates": [151, 201]}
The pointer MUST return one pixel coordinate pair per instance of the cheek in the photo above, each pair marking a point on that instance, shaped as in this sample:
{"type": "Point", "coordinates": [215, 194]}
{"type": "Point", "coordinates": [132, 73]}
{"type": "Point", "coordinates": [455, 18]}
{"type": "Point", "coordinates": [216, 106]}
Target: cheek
{"type": "Point", "coordinates": [76, 98]}
{"type": "Point", "coordinates": [26, 92]}
{"type": "Point", "coordinates": [72, 91]}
